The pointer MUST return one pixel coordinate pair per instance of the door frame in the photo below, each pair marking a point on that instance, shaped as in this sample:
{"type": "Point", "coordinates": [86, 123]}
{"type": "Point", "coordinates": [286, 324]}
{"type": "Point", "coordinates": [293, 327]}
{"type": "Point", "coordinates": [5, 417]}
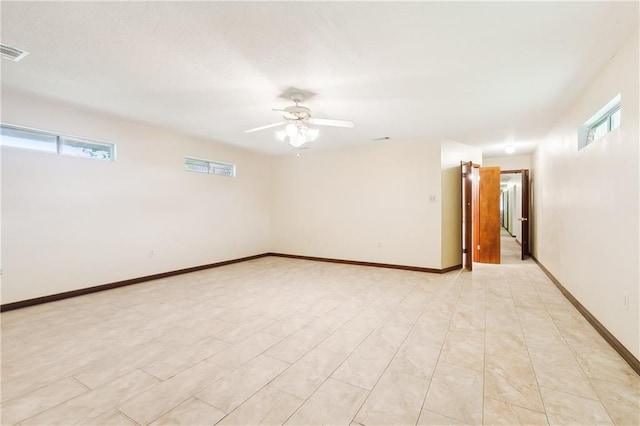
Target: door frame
{"type": "Point", "coordinates": [525, 217]}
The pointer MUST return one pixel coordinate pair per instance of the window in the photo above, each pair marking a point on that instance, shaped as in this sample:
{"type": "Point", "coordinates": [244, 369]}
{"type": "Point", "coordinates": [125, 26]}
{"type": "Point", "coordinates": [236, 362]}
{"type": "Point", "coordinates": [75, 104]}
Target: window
{"type": "Point", "coordinates": [211, 167]}
{"type": "Point", "coordinates": [20, 137]}
{"type": "Point", "coordinates": [85, 148]}
{"type": "Point", "coordinates": [28, 139]}
{"type": "Point", "coordinates": [604, 121]}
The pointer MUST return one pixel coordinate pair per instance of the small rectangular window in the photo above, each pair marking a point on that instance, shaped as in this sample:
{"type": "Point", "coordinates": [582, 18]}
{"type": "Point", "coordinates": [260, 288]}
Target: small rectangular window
{"type": "Point", "coordinates": [604, 121]}
{"type": "Point", "coordinates": [28, 139]}
{"type": "Point", "coordinates": [211, 167]}
{"type": "Point", "coordinates": [85, 148]}
{"type": "Point", "coordinates": [615, 118]}
{"type": "Point", "coordinates": [19, 137]}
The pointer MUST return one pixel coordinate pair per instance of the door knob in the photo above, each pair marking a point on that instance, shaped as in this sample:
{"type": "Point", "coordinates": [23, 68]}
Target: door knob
{"type": "Point", "coordinates": [522, 219]}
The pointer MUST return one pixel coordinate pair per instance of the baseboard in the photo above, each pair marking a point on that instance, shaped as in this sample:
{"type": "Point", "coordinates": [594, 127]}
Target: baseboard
{"type": "Point", "coordinates": [103, 287]}
{"type": "Point", "coordinates": [374, 264]}
{"type": "Point", "coordinates": [633, 362]}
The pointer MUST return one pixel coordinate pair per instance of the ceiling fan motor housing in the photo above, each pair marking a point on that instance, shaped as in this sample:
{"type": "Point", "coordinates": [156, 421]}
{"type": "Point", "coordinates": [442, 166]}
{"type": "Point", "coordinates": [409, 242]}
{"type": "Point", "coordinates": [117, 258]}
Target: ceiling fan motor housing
{"type": "Point", "coordinates": [297, 113]}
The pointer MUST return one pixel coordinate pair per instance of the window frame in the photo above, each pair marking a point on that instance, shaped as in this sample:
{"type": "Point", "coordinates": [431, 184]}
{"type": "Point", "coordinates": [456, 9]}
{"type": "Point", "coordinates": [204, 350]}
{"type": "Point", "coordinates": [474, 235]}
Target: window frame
{"type": "Point", "coordinates": [586, 132]}
{"type": "Point", "coordinates": [59, 142]}
{"type": "Point", "coordinates": [211, 167]}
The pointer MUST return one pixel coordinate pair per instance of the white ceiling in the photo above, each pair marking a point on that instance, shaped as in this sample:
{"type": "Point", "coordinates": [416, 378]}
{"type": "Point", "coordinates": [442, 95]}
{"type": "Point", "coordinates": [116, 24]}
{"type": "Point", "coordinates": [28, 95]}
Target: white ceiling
{"type": "Point", "coordinates": [478, 72]}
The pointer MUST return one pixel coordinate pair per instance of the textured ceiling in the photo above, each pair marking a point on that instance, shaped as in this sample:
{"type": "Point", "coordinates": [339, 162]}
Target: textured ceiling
{"type": "Point", "coordinates": [479, 73]}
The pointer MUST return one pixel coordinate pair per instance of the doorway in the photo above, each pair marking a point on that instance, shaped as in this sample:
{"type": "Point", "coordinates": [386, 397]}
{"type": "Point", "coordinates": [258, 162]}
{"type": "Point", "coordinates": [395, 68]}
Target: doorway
{"type": "Point", "coordinates": [514, 215]}
{"type": "Point", "coordinates": [495, 214]}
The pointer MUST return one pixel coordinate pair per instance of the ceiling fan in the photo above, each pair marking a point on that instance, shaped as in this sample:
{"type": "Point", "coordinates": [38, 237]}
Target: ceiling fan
{"type": "Point", "coordinates": [296, 119]}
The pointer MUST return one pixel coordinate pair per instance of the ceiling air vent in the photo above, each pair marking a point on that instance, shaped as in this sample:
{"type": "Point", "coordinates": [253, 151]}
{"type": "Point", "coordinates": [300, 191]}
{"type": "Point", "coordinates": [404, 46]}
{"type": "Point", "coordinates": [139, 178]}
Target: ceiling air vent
{"type": "Point", "coordinates": [12, 53]}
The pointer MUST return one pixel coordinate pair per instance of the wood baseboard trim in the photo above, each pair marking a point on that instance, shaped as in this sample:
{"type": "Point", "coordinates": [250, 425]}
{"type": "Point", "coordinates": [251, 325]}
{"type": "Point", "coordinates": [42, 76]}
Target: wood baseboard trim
{"type": "Point", "coordinates": [633, 362]}
{"type": "Point", "coordinates": [103, 287]}
{"type": "Point", "coordinates": [374, 264]}
{"type": "Point", "coordinates": [82, 291]}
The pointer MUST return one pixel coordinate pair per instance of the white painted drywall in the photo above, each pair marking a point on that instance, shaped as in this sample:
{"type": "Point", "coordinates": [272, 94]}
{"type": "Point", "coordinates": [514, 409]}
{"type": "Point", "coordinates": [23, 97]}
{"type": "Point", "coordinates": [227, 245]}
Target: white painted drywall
{"type": "Point", "coordinates": [516, 162]}
{"type": "Point", "coordinates": [586, 228]}
{"type": "Point", "coordinates": [452, 153]}
{"type": "Point", "coordinates": [69, 223]}
{"type": "Point", "coordinates": [367, 203]}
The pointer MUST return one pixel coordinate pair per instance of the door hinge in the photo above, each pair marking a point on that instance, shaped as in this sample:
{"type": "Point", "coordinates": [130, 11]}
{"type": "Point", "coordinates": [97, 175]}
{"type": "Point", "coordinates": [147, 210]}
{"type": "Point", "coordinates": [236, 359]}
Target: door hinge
{"type": "Point", "coordinates": [478, 248]}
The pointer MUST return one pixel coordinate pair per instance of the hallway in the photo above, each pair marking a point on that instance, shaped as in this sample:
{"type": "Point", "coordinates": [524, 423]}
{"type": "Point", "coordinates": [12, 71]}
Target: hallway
{"type": "Point", "coordinates": [510, 250]}
{"type": "Point", "coordinates": [276, 340]}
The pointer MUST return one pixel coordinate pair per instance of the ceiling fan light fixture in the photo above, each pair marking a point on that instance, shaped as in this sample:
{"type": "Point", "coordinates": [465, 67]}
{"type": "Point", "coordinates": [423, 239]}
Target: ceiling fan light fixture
{"type": "Point", "coordinates": [291, 129]}
{"type": "Point", "coordinates": [296, 133]}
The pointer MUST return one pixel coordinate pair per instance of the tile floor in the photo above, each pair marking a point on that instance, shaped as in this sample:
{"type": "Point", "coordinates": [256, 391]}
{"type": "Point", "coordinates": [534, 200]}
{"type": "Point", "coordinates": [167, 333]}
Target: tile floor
{"type": "Point", "coordinates": [276, 340]}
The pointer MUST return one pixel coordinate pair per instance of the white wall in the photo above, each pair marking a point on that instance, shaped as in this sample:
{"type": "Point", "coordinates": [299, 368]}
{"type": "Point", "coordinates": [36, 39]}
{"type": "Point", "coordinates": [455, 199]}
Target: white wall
{"type": "Point", "coordinates": [515, 162]}
{"type": "Point", "coordinates": [451, 154]}
{"type": "Point", "coordinates": [367, 203]}
{"type": "Point", "coordinates": [69, 223]}
{"type": "Point", "coordinates": [586, 230]}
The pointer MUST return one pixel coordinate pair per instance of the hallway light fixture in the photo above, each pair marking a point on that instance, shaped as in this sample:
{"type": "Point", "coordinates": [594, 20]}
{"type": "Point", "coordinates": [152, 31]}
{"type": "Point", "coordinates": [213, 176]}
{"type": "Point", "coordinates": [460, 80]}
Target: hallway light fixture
{"type": "Point", "coordinates": [297, 133]}
{"type": "Point", "coordinates": [510, 149]}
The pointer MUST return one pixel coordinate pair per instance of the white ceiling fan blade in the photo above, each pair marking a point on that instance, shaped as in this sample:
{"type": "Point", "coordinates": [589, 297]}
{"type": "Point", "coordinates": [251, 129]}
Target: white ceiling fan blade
{"type": "Point", "coordinates": [268, 126]}
{"type": "Point", "coordinates": [334, 123]}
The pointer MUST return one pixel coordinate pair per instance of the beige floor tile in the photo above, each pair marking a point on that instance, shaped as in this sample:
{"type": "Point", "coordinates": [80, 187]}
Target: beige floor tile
{"type": "Point", "coordinates": [112, 418]}
{"type": "Point", "coordinates": [322, 306]}
{"type": "Point", "coordinates": [290, 324]}
{"type": "Point", "coordinates": [297, 345]}
{"type": "Point", "coordinates": [464, 348]}
{"type": "Point", "coordinates": [421, 349]}
{"type": "Point", "coordinates": [346, 339]}
{"type": "Point", "coordinates": [95, 402]}
{"type": "Point", "coordinates": [331, 321]}
{"type": "Point", "coordinates": [308, 373]}
{"type": "Point", "coordinates": [431, 328]}
{"type": "Point", "coordinates": [396, 399]}
{"type": "Point", "coordinates": [565, 409]}
{"type": "Point", "coordinates": [410, 308]}
{"type": "Point", "coordinates": [456, 320]}
{"type": "Point", "coordinates": [621, 401]}
{"type": "Point", "coordinates": [431, 418]}
{"type": "Point", "coordinates": [442, 305]}
{"type": "Point", "coordinates": [504, 341]}
{"type": "Point", "coordinates": [185, 357]}
{"type": "Point", "coordinates": [509, 377]}
{"type": "Point", "coordinates": [559, 370]}
{"type": "Point", "coordinates": [467, 386]}
{"type": "Point", "coordinates": [191, 413]}
{"type": "Point", "coordinates": [604, 365]}
{"type": "Point", "coordinates": [99, 372]}
{"type": "Point", "coordinates": [244, 330]}
{"type": "Point", "coordinates": [163, 397]}
{"type": "Point", "coordinates": [245, 350]}
{"type": "Point", "coordinates": [23, 407]}
{"type": "Point", "coordinates": [269, 406]}
{"type": "Point", "coordinates": [231, 391]}
{"type": "Point", "coordinates": [367, 363]}
{"type": "Point", "coordinates": [334, 403]}
{"type": "Point", "coordinates": [502, 413]}
{"type": "Point", "coordinates": [469, 315]}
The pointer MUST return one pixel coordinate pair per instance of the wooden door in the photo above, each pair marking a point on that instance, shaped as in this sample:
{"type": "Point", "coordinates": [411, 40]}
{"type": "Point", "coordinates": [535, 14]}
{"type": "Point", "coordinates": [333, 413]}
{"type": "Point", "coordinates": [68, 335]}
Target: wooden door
{"type": "Point", "coordinates": [487, 244]}
{"type": "Point", "coordinates": [524, 220]}
{"type": "Point", "coordinates": [467, 228]}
